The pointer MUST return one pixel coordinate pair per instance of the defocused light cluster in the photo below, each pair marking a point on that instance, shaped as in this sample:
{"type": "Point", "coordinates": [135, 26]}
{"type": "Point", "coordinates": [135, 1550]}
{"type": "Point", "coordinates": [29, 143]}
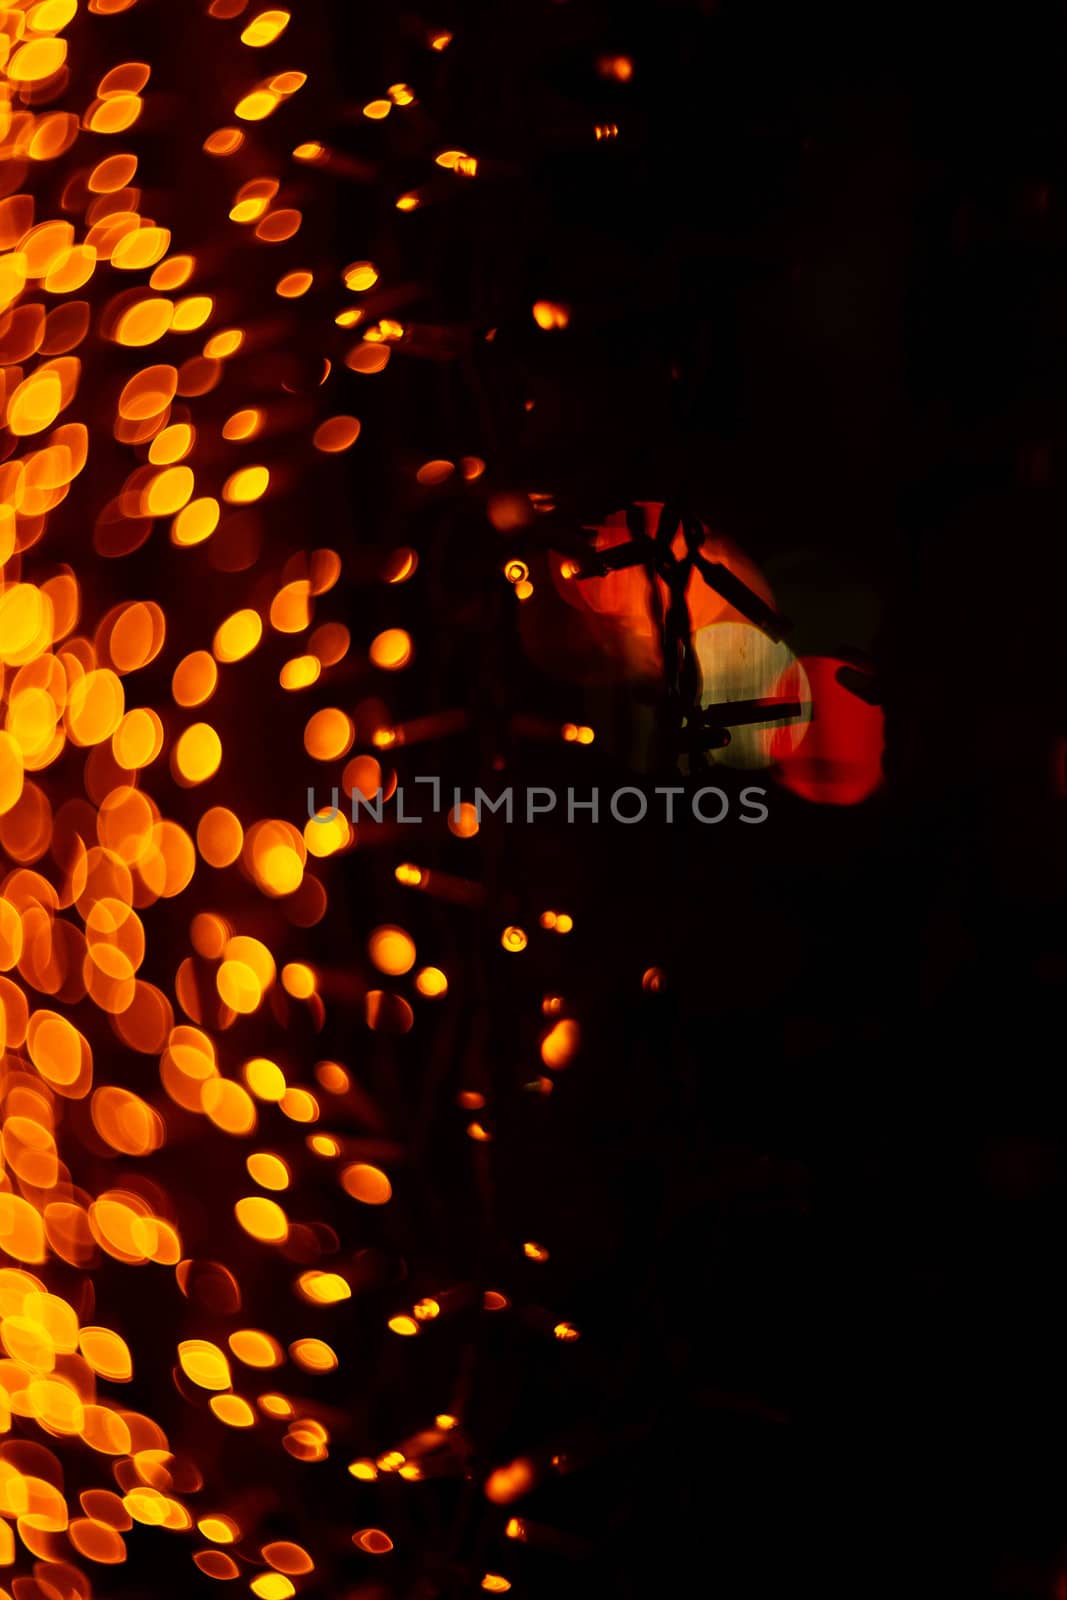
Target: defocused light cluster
{"type": "Point", "coordinates": [92, 862]}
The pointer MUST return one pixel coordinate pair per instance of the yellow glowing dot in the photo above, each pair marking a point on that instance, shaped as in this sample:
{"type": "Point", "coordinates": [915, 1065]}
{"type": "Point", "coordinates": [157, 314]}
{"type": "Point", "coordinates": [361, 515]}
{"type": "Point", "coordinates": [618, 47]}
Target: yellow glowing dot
{"type": "Point", "coordinates": [220, 1530]}
{"type": "Point", "coordinates": [223, 344]}
{"type": "Point", "coordinates": [534, 1252]}
{"type": "Point", "coordinates": [195, 522]}
{"type": "Point", "coordinates": [324, 1288]}
{"type": "Point", "coordinates": [513, 939]}
{"type": "Point", "coordinates": [253, 200]}
{"type": "Point", "coordinates": [142, 247]}
{"type": "Point", "coordinates": [440, 41]}
{"type": "Point", "coordinates": [310, 151]}
{"type": "Point", "coordinates": [360, 275]}
{"type": "Point", "coordinates": [238, 987]}
{"type": "Point", "coordinates": [275, 1405]}
{"type": "Point", "coordinates": [392, 650]}
{"type": "Point", "coordinates": [365, 1471]}
{"type": "Point", "coordinates": [263, 30]}
{"type": "Point", "coordinates": [494, 1583]}
{"type": "Point", "coordinates": [408, 202]}
{"type": "Point", "coordinates": [298, 980]}
{"type": "Point", "coordinates": [257, 105]}
{"type": "Point", "coordinates": [272, 1586]}
{"type": "Point", "coordinates": [168, 491]}
{"type": "Point", "coordinates": [11, 773]}
{"type": "Point", "coordinates": [204, 1364]}
{"type": "Point", "coordinates": [566, 1332]}
{"type": "Point", "coordinates": [36, 61]}
{"type": "Point", "coordinates": [314, 1355]}
{"type": "Point", "coordinates": [136, 742]}
{"type": "Point", "coordinates": [300, 672]}
{"type": "Point", "coordinates": [238, 636]}
{"type": "Point", "coordinates": [192, 312]}
{"type": "Point", "coordinates": [246, 485]}
{"type": "Point", "coordinates": [232, 1410]}
{"type": "Point", "coordinates": [564, 922]}
{"type": "Point", "coordinates": [431, 983]}
{"type": "Point", "coordinates": [327, 832]}
{"type": "Point", "coordinates": [406, 1327]}
{"type": "Point", "coordinates": [171, 444]}
{"type": "Point", "coordinates": [144, 322]}
{"type": "Point", "coordinates": [392, 950]}
{"type": "Point", "coordinates": [263, 1219]}
{"type": "Point", "coordinates": [377, 109]}
{"type": "Point", "coordinates": [270, 1172]}
{"type": "Point", "coordinates": [265, 1079]}
{"type": "Point", "coordinates": [548, 314]}
{"type": "Point", "coordinates": [255, 1348]}
{"type": "Point", "coordinates": [198, 753]}
{"type": "Point", "coordinates": [243, 424]}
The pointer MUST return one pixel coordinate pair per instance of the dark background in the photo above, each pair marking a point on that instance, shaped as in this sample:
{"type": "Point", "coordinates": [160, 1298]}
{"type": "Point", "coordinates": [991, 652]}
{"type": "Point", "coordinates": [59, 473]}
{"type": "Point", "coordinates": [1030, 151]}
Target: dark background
{"type": "Point", "coordinates": [815, 1198]}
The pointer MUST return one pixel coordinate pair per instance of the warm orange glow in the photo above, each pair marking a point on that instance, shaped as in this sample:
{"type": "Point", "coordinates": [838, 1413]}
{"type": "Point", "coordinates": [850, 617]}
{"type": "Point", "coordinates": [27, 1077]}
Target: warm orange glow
{"type": "Point", "coordinates": [263, 1219]}
{"type": "Point", "coordinates": [392, 951]}
{"type": "Point", "coordinates": [366, 1183]}
{"type": "Point", "coordinates": [509, 1483]}
{"type": "Point", "coordinates": [548, 314]}
{"type": "Point", "coordinates": [431, 983]}
{"type": "Point", "coordinates": [176, 1161]}
{"type": "Point", "coordinates": [392, 650]}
